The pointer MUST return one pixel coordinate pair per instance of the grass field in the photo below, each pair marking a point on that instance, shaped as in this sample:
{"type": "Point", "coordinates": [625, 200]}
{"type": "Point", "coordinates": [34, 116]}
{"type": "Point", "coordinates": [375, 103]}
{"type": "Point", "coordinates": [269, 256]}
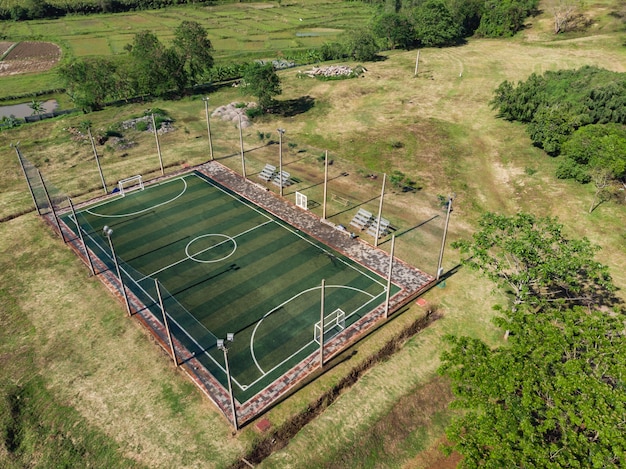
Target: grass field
{"type": "Point", "coordinates": [64, 328]}
{"type": "Point", "coordinates": [238, 32]}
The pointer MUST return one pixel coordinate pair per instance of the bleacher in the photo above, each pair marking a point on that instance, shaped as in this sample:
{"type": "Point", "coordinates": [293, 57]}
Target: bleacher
{"type": "Point", "coordinates": [383, 230]}
{"type": "Point", "coordinates": [362, 219]}
{"type": "Point", "coordinates": [285, 179]}
{"type": "Point", "coordinates": [268, 172]}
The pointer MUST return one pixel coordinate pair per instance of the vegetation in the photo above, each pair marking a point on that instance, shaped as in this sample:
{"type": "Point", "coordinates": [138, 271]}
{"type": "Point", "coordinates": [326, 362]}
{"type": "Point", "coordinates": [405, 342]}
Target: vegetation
{"type": "Point", "coordinates": [580, 114]}
{"type": "Point", "coordinates": [551, 397]}
{"type": "Point", "coordinates": [103, 379]}
{"type": "Point", "coordinates": [149, 69]}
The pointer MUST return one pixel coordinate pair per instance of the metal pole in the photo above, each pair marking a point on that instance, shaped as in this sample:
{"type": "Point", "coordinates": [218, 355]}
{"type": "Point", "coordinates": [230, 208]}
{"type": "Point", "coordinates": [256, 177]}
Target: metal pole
{"type": "Point", "coordinates": [82, 239]}
{"type": "Point", "coordinates": [54, 213]}
{"type": "Point", "coordinates": [208, 125]}
{"type": "Point", "coordinates": [280, 159]}
{"type": "Point", "coordinates": [165, 323]}
{"type": "Point", "coordinates": [388, 294]}
{"type": "Point", "coordinates": [380, 210]}
{"type": "Point", "coordinates": [156, 137]}
{"type": "Point", "coordinates": [230, 389]}
{"type": "Point", "coordinates": [443, 238]}
{"type": "Point", "coordinates": [95, 154]}
{"type": "Point", "coordinates": [30, 189]}
{"type": "Point", "coordinates": [108, 232]}
{"type": "Point", "coordinates": [322, 325]}
{"type": "Point", "coordinates": [325, 184]}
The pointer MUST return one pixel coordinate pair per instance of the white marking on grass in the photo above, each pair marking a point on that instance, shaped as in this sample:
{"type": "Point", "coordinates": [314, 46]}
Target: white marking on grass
{"type": "Point", "coordinates": [96, 214]}
{"type": "Point", "coordinates": [283, 304]}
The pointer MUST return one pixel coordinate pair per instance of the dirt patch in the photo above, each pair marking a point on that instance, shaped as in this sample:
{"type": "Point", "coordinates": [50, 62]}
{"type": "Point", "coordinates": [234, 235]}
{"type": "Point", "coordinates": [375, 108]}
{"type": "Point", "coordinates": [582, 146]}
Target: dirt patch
{"type": "Point", "coordinates": [29, 57]}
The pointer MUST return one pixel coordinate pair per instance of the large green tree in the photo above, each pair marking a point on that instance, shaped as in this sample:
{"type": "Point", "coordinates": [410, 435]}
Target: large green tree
{"type": "Point", "coordinates": [360, 45]}
{"type": "Point", "coordinates": [395, 29]}
{"type": "Point", "coordinates": [154, 69]}
{"type": "Point", "coordinates": [554, 396]}
{"type": "Point", "coordinates": [261, 81]}
{"type": "Point", "coordinates": [535, 262]}
{"type": "Point", "coordinates": [90, 81]}
{"type": "Point", "coordinates": [193, 45]}
{"type": "Point", "coordinates": [435, 25]}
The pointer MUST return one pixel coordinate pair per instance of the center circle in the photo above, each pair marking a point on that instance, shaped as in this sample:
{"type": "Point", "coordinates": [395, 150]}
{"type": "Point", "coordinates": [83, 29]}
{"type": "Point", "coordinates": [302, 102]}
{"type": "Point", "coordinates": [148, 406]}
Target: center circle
{"type": "Point", "coordinates": [208, 248]}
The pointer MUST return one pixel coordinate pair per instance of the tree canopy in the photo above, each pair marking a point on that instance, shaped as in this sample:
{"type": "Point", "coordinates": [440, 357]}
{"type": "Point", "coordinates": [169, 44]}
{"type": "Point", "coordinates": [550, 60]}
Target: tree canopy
{"type": "Point", "coordinates": [533, 260]}
{"type": "Point", "coordinates": [434, 24]}
{"type": "Point", "coordinates": [261, 81]}
{"type": "Point", "coordinates": [554, 396]}
{"type": "Point", "coordinates": [149, 68]}
{"type": "Point", "coordinates": [558, 107]}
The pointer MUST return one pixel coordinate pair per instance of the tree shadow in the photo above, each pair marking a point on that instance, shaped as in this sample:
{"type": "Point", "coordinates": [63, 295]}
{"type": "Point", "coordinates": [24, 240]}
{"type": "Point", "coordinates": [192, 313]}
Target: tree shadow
{"type": "Point", "coordinates": [293, 107]}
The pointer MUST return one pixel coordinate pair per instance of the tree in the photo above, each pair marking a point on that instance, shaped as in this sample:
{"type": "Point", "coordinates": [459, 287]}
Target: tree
{"type": "Point", "coordinates": [361, 45]}
{"type": "Point", "coordinates": [154, 69]}
{"type": "Point", "coordinates": [503, 18]}
{"type": "Point", "coordinates": [434, 24]}
{"type": "Point", "coordinates": [552, 125]}
{"type": "Point", "coordinates": [261, 81]}
{"type": "Point", "coordinates": [565, 14]}
{"type": "Point", "coordinates": [554, 396]}
{"type": "Point", "coordinates": [532, 260]}
{"type": "Point", "coordinates": [90, 81]}
{"type": "Point", "coordinates": [192, 43]}
{"type": "Point", "coordinates": [395, 29]}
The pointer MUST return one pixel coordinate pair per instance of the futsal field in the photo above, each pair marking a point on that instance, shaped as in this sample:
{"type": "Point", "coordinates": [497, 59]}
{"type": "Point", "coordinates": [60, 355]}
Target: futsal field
{"type": "Point", "coordinates": [227, 266]}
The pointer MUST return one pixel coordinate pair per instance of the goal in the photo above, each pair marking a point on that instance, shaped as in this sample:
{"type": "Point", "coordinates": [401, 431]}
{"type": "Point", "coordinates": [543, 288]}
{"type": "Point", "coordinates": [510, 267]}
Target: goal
{"type": "Point", "coordinates": [301, 201]}
{"type": "Point", "coordinates": [130, 184]}
{"type": "Point", "coordinates": [335, 322]}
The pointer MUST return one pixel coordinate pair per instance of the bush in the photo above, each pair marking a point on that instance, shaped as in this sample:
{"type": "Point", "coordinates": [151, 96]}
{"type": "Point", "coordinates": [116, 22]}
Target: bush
{"type": "Point", "coordinates": [569, 169]}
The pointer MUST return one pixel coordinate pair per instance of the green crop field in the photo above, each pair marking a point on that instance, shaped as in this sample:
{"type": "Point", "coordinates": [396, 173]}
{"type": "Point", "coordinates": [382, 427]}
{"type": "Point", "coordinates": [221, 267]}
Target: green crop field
{"type": "Point", "coordinates": [80, 384]}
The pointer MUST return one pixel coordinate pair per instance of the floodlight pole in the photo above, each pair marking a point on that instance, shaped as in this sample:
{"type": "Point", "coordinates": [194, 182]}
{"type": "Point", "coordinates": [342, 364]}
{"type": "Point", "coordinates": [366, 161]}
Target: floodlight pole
{"type": "Point", "coordinates": [165, 323]}
{"type": "Point", "coordinates": [325, 184]}
{"type": "Point", "coordinates": [54, 213]}
{"type": "Point", "coordinates": [322, 325]}
{"type": "Point", "coordinates": [380, 211]}
{"type": "Point", "coordinates": [108, 233]}
{"type": "Point", "coordinates": [243, 161]}
{"type": "Point", "coordinates": [280, 159]}
{"type": "Point", "coordinates": [95, 154]}
{"type": "Point", "coordinates": [156, 137]}
{"type": "Point", "coordinates": [80, 235]}
{"type": "Point", "coordinates": [221, 344]}
{"type": "Point", "coordinates": [443, 238]}
{"type": "Point", "coordinates": [30, 189]}
{"type": "Point", "coordinates": [208, 125]}
{"type": "Point", "coordinates": [388, 294]}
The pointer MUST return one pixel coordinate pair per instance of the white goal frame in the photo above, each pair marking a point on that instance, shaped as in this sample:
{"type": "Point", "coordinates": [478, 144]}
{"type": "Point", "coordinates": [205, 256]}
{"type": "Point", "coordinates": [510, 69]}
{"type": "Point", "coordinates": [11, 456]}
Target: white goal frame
{"type": "Point", "coordinates": [301, 201]}
{"type": "Point", "coordinates": [130, 184]}
{"type": "Point", "coordinates": [335, 319]}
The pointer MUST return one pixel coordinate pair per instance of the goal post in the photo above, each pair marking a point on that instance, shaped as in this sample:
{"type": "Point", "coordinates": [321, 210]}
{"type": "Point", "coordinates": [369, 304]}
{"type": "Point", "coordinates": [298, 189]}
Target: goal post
{"type": "Point", "coordinates": [301, 201]}
{"type": "Point", "coordinates": [334, 322]}
{"type": "Point", "coordinates": [130, 184]}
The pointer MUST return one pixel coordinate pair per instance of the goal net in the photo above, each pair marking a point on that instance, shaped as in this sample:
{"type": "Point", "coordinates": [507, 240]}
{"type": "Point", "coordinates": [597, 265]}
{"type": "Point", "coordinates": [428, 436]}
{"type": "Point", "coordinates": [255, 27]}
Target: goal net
{"type": "Point", "coordinates": [334, 323]}
{"type": "Point", "coordinates": [301, 201]}
{"type": "Point", "coordinates": [130, 184]}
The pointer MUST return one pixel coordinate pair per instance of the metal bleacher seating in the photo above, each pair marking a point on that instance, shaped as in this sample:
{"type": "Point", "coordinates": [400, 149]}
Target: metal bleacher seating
{"type": "Point", "coordinates": [268, 172]}
{"type": "Point", "coordinates": [285, 179]}
{"type": "Point", "coordinates": [362, 219]}
{"type": "Point", "coordinates": [383, 230]}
